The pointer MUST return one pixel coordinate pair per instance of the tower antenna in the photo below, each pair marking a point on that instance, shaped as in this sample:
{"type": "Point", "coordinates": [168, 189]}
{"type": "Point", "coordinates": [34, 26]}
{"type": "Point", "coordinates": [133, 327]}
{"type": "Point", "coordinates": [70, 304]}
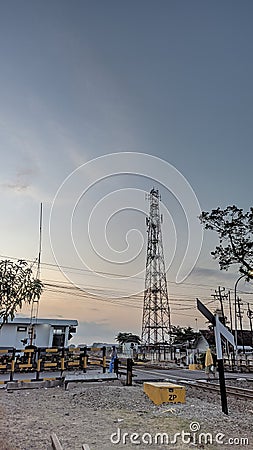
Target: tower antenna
{"type": "Point", "coordinates": [156, 324]}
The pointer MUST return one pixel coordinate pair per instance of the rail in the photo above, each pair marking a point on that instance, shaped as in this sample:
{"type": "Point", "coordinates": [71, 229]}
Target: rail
{"type": "Point", "coordinates": [231, 390]}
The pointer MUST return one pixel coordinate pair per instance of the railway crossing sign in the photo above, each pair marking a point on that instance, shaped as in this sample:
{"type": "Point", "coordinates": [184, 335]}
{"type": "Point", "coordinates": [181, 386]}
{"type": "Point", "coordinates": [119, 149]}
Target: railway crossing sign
{"type": "Point", "coordinates": [203, 309]}
{"type": "Point", "coordinates": [219, 330]}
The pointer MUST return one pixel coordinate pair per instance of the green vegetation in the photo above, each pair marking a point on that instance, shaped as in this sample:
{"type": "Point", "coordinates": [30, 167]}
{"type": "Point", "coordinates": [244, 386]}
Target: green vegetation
{"type": "Point", "coordinates": [17, 286]}
{"type": "Point", "coordinates": [235, 231]}
{"type": "Point", "coordinates": [122, 338]}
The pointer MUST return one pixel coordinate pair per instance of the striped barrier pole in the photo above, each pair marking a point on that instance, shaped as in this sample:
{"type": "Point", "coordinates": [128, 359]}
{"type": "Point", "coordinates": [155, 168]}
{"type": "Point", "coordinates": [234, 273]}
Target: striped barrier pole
{"type": "Point", "coordinates": [84, 359]}
{"type": "Point", "coordinates": [104, 359]}
{"type": "Point", "coordinates": [62, 360]}
{"type": "Point", "coordinates": [38, 368]}
{"type": "Point", "coordinates": [12, 364]}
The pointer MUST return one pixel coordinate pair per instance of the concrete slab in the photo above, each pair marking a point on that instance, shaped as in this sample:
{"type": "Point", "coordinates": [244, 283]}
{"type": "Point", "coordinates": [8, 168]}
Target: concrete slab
{"type": "Point", "coordinates": [16, 385]}
{"type": "Point", "coordinates": [89, 377]}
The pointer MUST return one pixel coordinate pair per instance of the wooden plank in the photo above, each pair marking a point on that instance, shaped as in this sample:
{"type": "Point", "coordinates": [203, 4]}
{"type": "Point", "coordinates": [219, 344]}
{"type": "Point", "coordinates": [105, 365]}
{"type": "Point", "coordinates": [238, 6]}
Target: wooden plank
{"type": "Point", "coordinates": [47, 364]}
{"type": "Point", "coordinates": [24, 366]}
{"type": "Point", "coordinates": [55, 442]}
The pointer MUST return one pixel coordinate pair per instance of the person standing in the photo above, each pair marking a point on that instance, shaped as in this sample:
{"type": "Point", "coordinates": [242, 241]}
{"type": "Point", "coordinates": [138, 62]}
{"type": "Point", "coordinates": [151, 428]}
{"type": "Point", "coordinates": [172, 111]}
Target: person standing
{"type": "Point", "coordinates": [214, 364]}
{"type": "Point", "coordinates": [208, 363]}
{"type": "Point", "coordinates": [113, 357]}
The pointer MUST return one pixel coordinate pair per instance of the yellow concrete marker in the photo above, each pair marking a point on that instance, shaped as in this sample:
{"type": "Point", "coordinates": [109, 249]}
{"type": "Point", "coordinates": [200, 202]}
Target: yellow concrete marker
{"type": "Point", "coordinates": [195, 366]}
{"type": "Point", "coordinates": [164, 392]}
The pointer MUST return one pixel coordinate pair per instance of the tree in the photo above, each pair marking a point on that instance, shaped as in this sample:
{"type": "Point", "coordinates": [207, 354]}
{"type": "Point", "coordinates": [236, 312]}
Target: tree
{"type": "Point", "coordinates": [17, 287]}
{"type": "Point", "coordinates": [122, 338]}
{"type": "Point", "coordinates": [183, 335]}
{"type": "Point", "coordinates": [235, 230]}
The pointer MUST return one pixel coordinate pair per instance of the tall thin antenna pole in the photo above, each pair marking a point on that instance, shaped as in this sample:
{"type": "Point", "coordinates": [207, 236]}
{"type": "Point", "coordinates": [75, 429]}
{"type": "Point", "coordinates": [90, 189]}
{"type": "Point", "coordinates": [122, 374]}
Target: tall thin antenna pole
{"type": "Point", "coordinates": [35, 302]}
{"type": "Point", "coordinates": [40, 242]}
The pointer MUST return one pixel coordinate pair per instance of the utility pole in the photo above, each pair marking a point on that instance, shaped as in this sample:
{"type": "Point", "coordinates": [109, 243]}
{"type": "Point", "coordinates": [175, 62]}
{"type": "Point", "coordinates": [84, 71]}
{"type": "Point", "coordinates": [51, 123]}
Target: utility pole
{"type": "Point", "coordinates": [230, 311]}
{"type": "Point", "coordinates": [231, 325]}
{"type": "Point", "coordinates": [221, 296]}
{"type": "Point", "coordinates": [156, 324]}
{"type": "Point", "coordinates": [250, 316]}
{"type": "Point", "coordinates": [240, 313]}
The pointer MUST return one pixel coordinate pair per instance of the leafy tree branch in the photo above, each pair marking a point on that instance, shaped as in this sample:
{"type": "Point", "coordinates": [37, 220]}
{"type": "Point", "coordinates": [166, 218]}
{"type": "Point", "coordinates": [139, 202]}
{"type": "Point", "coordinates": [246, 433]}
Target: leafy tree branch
{"type": "Point", "coordinates": [17, 287]}
{"type": "Point", "coordinates": [235, 231]}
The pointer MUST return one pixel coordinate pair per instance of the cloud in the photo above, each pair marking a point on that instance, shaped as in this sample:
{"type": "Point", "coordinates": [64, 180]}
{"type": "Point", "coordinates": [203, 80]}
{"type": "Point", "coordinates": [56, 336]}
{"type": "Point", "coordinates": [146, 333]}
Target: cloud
{"type": "Point", "coordinates": [89, 332]}
{"type": "Point", "coordinates": [23, 177]}
{"type": "Point", "coordinates": [215, 276]}
{"type": "Point", "coordinates": [18, 187]}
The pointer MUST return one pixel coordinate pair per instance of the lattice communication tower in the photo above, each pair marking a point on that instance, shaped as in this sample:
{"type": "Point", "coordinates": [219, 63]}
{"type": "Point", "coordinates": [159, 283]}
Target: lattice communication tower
{"type": "Point", "coordinates": [156, 324]}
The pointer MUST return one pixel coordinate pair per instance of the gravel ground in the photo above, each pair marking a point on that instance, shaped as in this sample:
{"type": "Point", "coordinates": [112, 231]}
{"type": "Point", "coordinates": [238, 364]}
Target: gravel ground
{"type": "Point", "coordinates": [91, 413]}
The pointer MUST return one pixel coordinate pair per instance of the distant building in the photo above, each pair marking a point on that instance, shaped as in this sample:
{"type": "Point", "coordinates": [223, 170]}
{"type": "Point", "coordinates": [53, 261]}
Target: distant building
{"type": "Point", "coordinates": [104, 344]}
{"type": "Point", "coordinates": [47, 333]}
{"type": "Point", "coordinates": [129, 349]}
{"type": "Point", "coordinates": [206, 339]}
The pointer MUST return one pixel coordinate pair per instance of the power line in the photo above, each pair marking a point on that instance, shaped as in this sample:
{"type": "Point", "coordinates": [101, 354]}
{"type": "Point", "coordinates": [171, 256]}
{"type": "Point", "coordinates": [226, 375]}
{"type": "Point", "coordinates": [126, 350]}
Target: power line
{"type": "Point", "coordinates": [116, 275]}
{"type": "Point", "coordinates": [67, 285]}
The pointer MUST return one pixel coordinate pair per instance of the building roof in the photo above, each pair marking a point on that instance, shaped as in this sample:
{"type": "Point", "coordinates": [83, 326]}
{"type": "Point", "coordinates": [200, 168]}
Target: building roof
{"type": "Point", "coordinates": [209, 336]}
{"type": "Point", "coordinates": [244, 337]}
{"type": "Point", "coordinates": [54, 322]}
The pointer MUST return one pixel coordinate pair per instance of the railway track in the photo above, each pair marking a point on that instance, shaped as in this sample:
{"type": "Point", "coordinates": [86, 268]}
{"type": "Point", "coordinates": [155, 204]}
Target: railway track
{"type": "Point", "coordinates": [238, 392]}
{"type": "Point", "coordinates": [231, 390]}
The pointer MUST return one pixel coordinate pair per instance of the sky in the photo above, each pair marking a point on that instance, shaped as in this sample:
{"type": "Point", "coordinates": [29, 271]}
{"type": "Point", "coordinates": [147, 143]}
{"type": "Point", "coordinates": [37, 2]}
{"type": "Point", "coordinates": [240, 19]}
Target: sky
{"type": "Point", "coordinates": [99, 103]}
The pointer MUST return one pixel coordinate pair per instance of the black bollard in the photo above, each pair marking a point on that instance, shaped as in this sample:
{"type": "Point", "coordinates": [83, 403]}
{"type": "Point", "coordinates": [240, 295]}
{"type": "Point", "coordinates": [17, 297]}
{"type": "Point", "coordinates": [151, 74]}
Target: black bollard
{"type": "Point", "coordinates": [129, 377]}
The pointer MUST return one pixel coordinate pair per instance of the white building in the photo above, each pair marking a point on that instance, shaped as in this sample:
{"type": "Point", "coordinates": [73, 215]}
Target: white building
{"type": "Point", "coordinates": [47, 332]}
{"type": "Point", "coordinates": [129, 349]}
